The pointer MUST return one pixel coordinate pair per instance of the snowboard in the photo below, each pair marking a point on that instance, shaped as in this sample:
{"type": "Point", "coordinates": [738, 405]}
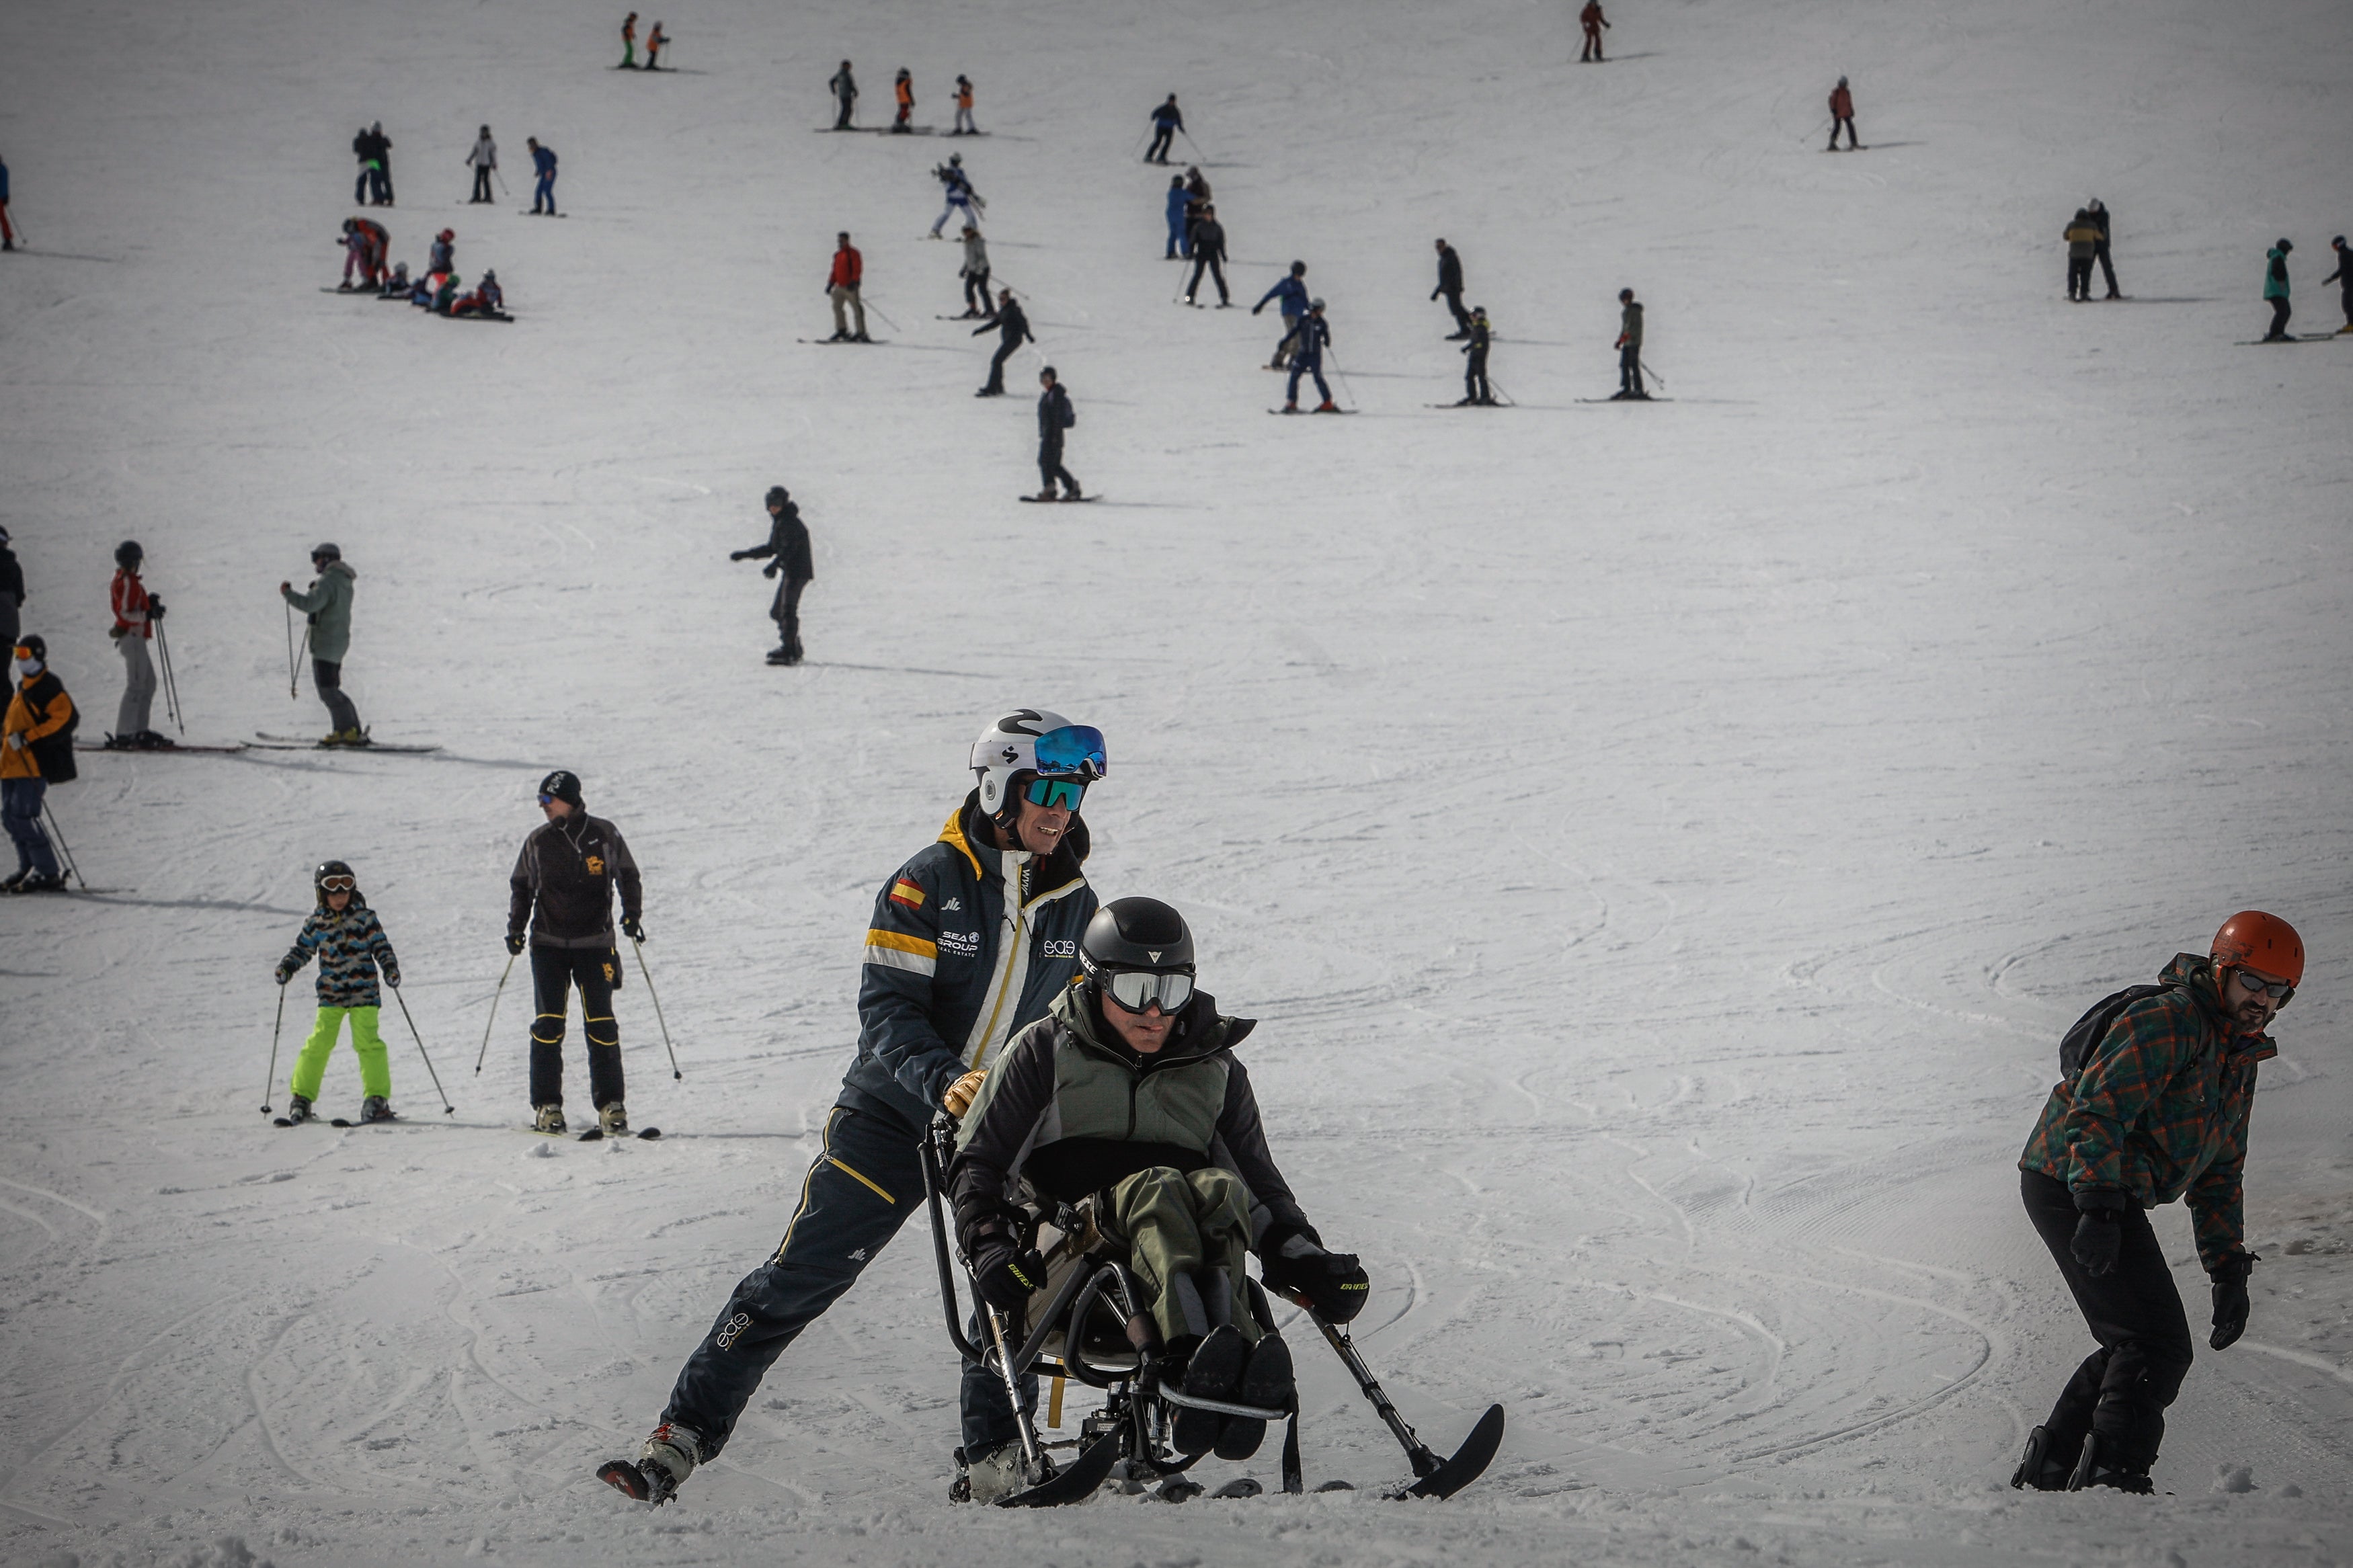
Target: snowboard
{"type": "Point", "coordinates": [231, 750]}
{"type": "Point", "coordinates": [2291, 338]}
{"type": "Point", "coordinates": [844, 342]}
{"type": "Point", "coordinates": [268, 742]}
{"type": "Point", "coordinates": [1058, 500]}
{"type": "Point", "coordinates": [528, 212]}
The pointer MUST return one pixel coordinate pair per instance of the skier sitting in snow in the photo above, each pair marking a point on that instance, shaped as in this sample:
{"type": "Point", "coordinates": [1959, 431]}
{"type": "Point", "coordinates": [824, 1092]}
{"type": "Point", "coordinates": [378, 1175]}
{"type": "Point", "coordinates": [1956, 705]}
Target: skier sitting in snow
{"type": "Point", "coordinates": [485, 298]}
{"type": "Point", "coordinates": [352, 948]}
{"type": "Point", "coordinates": [1127, 1102]}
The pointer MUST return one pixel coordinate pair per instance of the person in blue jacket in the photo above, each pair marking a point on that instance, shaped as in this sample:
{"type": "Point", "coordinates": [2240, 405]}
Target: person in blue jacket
{"type": "Point", "coordinates": [969, 941]}
{"type": "Point", "coordinates": [1292, 293]}
{"type": "Point", "coordinates": [1308, 343]}
{"type": "Point", "coordinates": [543, 160]}
{"type": "Point", "coordinates": [1167, 120]}
{"type": "Point", "coordinates": [1180, 232]}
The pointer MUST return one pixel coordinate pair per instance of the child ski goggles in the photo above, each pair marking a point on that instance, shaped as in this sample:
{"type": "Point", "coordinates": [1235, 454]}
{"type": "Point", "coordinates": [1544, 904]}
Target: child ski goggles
{"type": "Point", "coordinates": [338, 884]}
{"type": "Point", "coordinates": [1073, 750]}
{"type": "Point", "coordinates": [1051, 792]}
{"type": "Point", "coordinates": [1136, 989]}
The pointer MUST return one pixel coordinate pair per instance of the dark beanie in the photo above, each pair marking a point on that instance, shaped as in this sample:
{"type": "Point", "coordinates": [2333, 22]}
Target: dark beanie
{"type": "Point", "coordinates": [564, 784]}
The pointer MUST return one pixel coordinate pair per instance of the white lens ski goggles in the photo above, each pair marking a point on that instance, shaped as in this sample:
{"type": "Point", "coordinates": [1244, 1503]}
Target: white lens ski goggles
{"type": "Point", "coordinates": [1136, 989]}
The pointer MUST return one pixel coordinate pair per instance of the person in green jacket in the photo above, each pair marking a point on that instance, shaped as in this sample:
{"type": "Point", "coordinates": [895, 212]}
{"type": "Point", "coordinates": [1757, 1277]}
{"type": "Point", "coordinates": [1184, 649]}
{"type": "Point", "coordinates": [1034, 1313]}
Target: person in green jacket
{"type": "Point", "coordinates": [2157, 1110]}
{"type": "Point", "coordinates": [328, 603]}
{"type": "Point", "coordinates": [2275, 291]}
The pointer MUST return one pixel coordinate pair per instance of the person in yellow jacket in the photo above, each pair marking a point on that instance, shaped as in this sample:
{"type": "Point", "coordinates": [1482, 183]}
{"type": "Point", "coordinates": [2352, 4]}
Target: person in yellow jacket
{"type": "Point", "coordinates": [36, 751]}
{"type": "Point", "coordinates": [2083, 245]}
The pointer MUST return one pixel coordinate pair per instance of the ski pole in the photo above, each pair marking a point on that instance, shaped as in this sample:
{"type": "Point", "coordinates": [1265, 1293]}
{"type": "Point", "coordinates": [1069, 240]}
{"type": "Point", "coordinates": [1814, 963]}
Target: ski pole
{"type": "Point", "coordinates": [269, 1083]}
{"type": "Point", "coordinates": [639, 949]}
{"type": "Point", "coordinates": [880, 311]}
{"type": "Point", "coordinates": [64, 848]}
{"type": "Point", "coordinates": [1653, 375]}
{"type": "Point", "coordinates": [494, 1014]}
{"type": "Point", "coordinates": [501, 179]}
{"type": "Point", "coordinates": [1343, 374]}
{"type": "Point", "coordinates": [1498, 388]}
{"type": "Point", "coordinates": [291, 675]}
{"type": "Point", "coordinates": [1193, 144]}
{"type": "Point", "coordinates": [447, 1109]}
{"type": "Point", "coordinates": [171, 682]}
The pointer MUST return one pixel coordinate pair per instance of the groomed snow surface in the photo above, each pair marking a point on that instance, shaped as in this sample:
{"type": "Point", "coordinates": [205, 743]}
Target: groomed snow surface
{"type": "Point", "coordinates": [1663, 844]}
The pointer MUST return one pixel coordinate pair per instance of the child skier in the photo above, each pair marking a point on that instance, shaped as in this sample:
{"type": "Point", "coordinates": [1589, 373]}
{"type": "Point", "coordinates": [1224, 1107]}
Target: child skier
{"type": "Point", "coordinates": [964, 123]}
{"type": "Point", "coordinates": [960, 195]}
{"type": "Point", "coordinates": [351, 948]}
{"type": "Point", "coordinates": [905, 89]}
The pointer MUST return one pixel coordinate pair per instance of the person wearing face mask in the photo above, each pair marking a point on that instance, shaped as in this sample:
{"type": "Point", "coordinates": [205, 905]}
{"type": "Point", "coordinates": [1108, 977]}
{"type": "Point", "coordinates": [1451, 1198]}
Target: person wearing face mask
{"type": "Point", "coordinates": [36, 751]}
{"type": "Point", "coordinates": [2155, 1107]}
{"type": "Point", "coordinates": [969, 943]}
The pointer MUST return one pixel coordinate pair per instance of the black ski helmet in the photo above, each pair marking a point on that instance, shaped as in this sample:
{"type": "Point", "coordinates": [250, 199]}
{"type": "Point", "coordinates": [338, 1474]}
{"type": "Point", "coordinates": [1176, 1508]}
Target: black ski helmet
{"type": "Point", "coordinates": [564, 786]}
{"type": "Point", "coordinates": [327, 552]}
{"type": "Point", "coordinates": [1136, 933]}
{"type": "Point", "coordinates": [333, 869]}
{"type": "Point", "coordinates": [777, 496]}
{"type": "Point", "coordinates": [2286, 244]}
{"type": "Point", "coordinates": [128, 554]}
{"type": "Point", "coordinates": [31, 643]}
{"type": "Point", "coordinates": [1298, 270]}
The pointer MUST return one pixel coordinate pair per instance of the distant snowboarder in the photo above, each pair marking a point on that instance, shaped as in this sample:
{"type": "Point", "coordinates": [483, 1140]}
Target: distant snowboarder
{"type": "Point", "coordinates": [961, 197]}
{"type": "Point", "coordinates": [136, 615]}
{"type": "Point", "coordinates": [845, 96]}
{"type": "Point", "coordinates": [964, 123]}
{"type": "Point", "coordinates": [2342, 278]}
{"type": "Point", "coordinates": [1841, 114]}
{"type": "Point", "coordinates": [629, 42]}
{"type": "Point", "coordinates": [1291, 293]}
{"type": "Point", "coordinates": [904, 90]}
{"type": "Point", "coordinates": [1630, 350]}
{"type": "Point", "coordinates": [787, 554]}
{"type": "Point", "coordinates": [2275, 291]}
{"type": "Point", "coordinates": [1055, 417]}
{"type": "Point", "coordinates": [2083, 237]}
{"type": "Point", "coordinates": [1167, 120]}
{"type": "Point", "coordinates": [974, 273]}
{"type": "Point", "coordinates": [350, 944]}
{"type": "Point", "coordinates": [1476, 392]}
{"type": "Point", "coordinates": [484, 159]}
{"type": "Point", "coordinates": [364, 244]}
{"type": "Point", "coordinates": [543, 164]}
{"type": "Point", "coordinates": [36, 751]}
{"type": "Point", "coordinates": [1013, 328]}
{"type": "Point", "coordinates": [2100, 252]}
{"type": "Point", "coordinates": [1450, 286]}
{"type": "Point", "coordinates": [841, 285]}
{"type": "Point", "coordinates": [1593, 21]}
{"type": "Point", "coordinates": [1179, 208]}
{"type": "Point", "coordinates": [1313, 336]}
{"type": "Point", "coordinates": [328, 603]}
{"type": "Point", "coordinates": [1209, 256]}
{"type": "Point", "coordinates": [655, 42]}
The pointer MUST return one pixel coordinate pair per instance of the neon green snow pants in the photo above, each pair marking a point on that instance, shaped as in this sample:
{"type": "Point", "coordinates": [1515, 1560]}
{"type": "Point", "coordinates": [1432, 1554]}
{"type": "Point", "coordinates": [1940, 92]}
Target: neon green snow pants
{"type": "Point", "coordinates": [310, 1066]}
{"type": "Point", "coordinates": [1188, 1235]}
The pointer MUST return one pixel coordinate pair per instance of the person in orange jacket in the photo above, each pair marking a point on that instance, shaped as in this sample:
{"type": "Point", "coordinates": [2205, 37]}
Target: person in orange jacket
{"type": "Point", "coordinates": [906, 91]}
{"type": "Point", "coordinates": [965, 124]}
{"type": "Point", "coordinates": [841, 285]}
{"type": "Point", "coordinates": [36, 751]}
{"type": "Point", "coordinates": [1841, 114]}
{"type": "Point", "coordinates": [1594, 22]}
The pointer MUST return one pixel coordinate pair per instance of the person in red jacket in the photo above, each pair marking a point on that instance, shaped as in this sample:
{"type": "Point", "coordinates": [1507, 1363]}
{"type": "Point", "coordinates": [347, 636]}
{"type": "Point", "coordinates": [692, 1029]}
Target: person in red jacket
{"type": "Point", "coordinates": [365, 243]}
{"type": "Point", "coordinates": [1841, 114]}
{"type": "Point", "coordinates": [1594, 22]}
{"type": "Point", "coordinates": [842, 284]}
{"type": "Point", "coordinates": [136, 613]}
{"type": "Point", "coordinates": [906, 89]}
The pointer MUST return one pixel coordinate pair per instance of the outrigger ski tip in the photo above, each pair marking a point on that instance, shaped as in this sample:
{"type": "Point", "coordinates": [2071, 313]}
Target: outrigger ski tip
{"type": "Point", "coordinates": [1468, 1463]}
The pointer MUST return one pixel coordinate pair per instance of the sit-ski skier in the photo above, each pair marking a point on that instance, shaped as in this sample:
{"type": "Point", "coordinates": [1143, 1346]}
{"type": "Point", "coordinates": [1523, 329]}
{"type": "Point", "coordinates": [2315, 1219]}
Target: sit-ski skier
{"type": "Point", "coordinates": [349, 942]}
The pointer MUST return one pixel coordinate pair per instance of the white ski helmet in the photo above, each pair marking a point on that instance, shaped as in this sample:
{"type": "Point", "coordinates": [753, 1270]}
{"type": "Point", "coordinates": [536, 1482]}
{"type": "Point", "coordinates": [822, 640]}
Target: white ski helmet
{"type": "Point", "coordinates": [1033, 741]}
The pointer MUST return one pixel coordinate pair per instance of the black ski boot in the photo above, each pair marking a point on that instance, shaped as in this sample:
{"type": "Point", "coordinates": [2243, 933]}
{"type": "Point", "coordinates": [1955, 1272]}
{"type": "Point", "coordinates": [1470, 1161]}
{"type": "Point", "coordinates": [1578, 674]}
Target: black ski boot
{"type": "Point", "coordinates": [2092, 1471]}
{"type": "Point", "coordinates": [1266, 1383]}
{"type": "Point", "coordinates": [1214, 1372]}
{"type": "Point", "coordinates": [375, 1107]}
{"type": "Point", "coordinates": [297, 1110]}
{"type": "Point", "coordinates": [2038, 1468]}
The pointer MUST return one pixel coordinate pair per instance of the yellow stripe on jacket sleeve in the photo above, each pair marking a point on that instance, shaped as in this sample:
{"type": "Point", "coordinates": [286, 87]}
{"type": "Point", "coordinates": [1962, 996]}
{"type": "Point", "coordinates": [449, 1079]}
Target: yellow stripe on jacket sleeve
{"type": "Point", "coordinates": [895, 949]}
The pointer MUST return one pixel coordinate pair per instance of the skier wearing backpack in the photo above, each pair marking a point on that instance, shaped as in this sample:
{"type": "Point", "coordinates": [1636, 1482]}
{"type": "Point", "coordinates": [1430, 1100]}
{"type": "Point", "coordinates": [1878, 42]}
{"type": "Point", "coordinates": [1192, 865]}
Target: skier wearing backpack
{"type": "Point", "coordinates": [352, 948]}
{"type": "Point", "coordinates": [2159, 1083]}
{"type": "Point", "coordinates": [36, 751]}
{"type": "Point", "coordinates": [1055, 415]}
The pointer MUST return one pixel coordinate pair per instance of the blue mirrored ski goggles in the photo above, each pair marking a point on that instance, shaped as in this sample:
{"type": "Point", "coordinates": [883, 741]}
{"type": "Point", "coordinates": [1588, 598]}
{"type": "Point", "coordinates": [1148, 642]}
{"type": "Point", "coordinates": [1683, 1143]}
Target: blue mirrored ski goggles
{"type": "Point", "coordinates": [1136, 989]}
{"type": "Point", "coordinates": [1063, 793]}
{"type": "Point", "coordinates": [1074, 751]}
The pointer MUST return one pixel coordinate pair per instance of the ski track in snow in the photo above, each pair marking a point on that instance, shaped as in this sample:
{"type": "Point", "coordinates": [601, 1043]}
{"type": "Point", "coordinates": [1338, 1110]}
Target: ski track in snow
{"type": "Point", "coordinates": [1663, 844]}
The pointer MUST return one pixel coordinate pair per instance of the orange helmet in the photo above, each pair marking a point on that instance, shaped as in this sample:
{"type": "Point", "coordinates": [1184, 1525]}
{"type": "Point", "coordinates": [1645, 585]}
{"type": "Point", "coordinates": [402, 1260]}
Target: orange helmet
{"type": "Point", "coordinates": [2253, 940]}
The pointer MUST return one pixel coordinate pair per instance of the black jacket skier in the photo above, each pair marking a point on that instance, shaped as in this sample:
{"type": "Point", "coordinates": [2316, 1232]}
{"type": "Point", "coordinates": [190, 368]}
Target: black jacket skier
{"type": "Point", "coordinates": [1450, 286]}
{"type": "Point", "coordinates": [787, 551]}
{"type": "Point", "coordinates": [1055, 415]}
{"type": "Point", "coordinates": [1209, 256]}
{"type": "Point", "coordinates": [1013, 328]}
{"type": "Point", "coordinates": [563, 884]}
{"type": "Point", "coordinates": [12, 592]}
{"type": "Point", "coordinates": [569, 866]}
{"type": "Point", "coordinates": [845, 95]}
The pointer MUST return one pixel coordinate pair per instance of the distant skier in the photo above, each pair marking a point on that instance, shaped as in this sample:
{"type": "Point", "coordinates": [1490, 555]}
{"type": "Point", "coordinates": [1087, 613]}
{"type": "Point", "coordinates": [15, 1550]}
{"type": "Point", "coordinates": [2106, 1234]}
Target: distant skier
{"type": "Point", "coordinates": [1167, 120]}
{"type": "Point", "coordinates": [904, 90]}
{"type": "Point", "coordinates": [1179, 208]}
{"type": "Point", "coordinates": [441, 259]}
{"type": "Point", "coordinates": [484, 298]}
{"type": "Point", "coordinates": [2275, 291]}
{"type": "Point", "coordinates": [1012, 328]}
{"type": "Point", "coordinates": [2100, 252]}
{"type": "Point", "coordinates": [841, 285]}
{"type": "Point", "coordinates": [1308, 343]}
{"type": "Point", "coordinates": [961, 197]}
{"type": "Point", "coordinates": [12, 593]}
{"type": "Point", "coordinates": [350, 944]}
{"type": "Point", "coordinates": [845, 96]}
{"type": "Point", "coordinates": [1476, 392]}
{"type": "Point", "coordinates": [7, 231]}
{"type": "Point", "coordinates": [36, 751]}
{"type": "Point", "coordinates": [1196, 203]}
{"type": "Point", "coordinates": [328, 603]}
{"type": "Point", "coordinates": [1841, 114]}
{"type": "Point", "coordinates": [2342, 278]}
{"type": "Point", "coordinates": [1450, 287]}
{"type": "Point", "coordinates": [974, 273]}
{"type": "Point", "coordinates": [563, 886]}
{"type": "Point", "coordinates": [964, 123]}
{"type": "Point", "coordinates": [1209, 256]}
{"type": "Point", "coordinates": [1291, 293]}
{"type": "Point", "coordinates": [629, 42]}
{"type": "Point", "coordinates": [1593, 21]}
{"type": "Point", "coordinates": [366, 242]}
{"type": "Point", "coordinates": [373, 149]}
{"type": "Point", "coordinates": [484, 159]}
{"type": "Point", "coordinates": [1630, 350]}
{"type": "Point", "coordinates": [2083, 237]}
{"type": "Point", "coordinates": [1055, 417]}
{"type": "Point", "coordinates": [2157, 1110]}
{"type": "Point", "coordinates": [543, 164]}
{"type": "Point", "coordinates": [787, 554]}
{"type": "Point", "coordinates": [136, 615]}
{"type": "Point", "coordinates": [655, 42]}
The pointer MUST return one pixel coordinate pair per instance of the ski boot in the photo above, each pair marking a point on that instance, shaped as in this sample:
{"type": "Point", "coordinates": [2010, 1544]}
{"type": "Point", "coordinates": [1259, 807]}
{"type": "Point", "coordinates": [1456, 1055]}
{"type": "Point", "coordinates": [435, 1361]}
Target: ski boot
{"type": "Point", "coordinates": [2092, 1471]}
{"type": "Point", "coordinates": [549, 1120]}
{"type": "Point", "coordinates": [1266, 1383]}
{"type": "Point", "coordinates": [784, 654]}
{"type": "Point", "coordinates": [152, 741]}
{"type": "Point", "coordinates": [1072, 495]}
{"type": "Point", "coordinates": [991, 1474]}
{"type": "Point", "coordinates": [862, 338]}
{"type": "Point", "coordinates": [613, 1120]}
{"type": "Point", "coordinates": [375, 1107]}
{"type": "Point", "coordinates": [298, 1110]}
{"type": "Point", "coordinates": [11, 885]}
{"type": "Point", "coordinates": [1327, 406]}
{"type": "Point", "coordinates": [2036, 1469]}
{"type": "Point", "coordinates": [663, 1465]}
{"type": "Point", "coordinates": [1214, 1371]}
{"type": "Point", "coordinates": [121, 742]}
{"type": "Point", "coordinates": [1046, 494]}
{"type": "Point", "coordinates": [39, 883]}
{"type": "Point", "coordinates": [1291, 409]}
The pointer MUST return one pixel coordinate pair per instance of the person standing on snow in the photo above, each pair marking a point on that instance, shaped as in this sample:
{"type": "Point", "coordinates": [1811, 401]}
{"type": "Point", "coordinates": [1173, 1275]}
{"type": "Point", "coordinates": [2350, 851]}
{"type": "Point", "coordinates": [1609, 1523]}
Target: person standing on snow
{"type": "Point", "coordinates": [903, 89]}
{"type": "Point", "coordinates": [1313, 335]}
{"type": "Point", "coordinates": [351, 948]}
{"type": "Point", "coordinates": [1055, 417]}
{"type": "Point", "coordinates": [629, 42]}
{"type": "Point", "coordinates": [964, 123]}
{"type": "Point", "coordinates": [974, 273]}
{"type": "Point", "coordinates": [654, 42]}
{"type": "Point", "coordinates": [36, 751]}
{"type": "Point", "coordinates": [845, 96]}
{"type": "Point", "coordinates": [961, 197]}
{"type": "Point", "coordinates": [969, 942]}
{"type": "Point", "coordinates": [1593, 21]}
{"type": "Point", "coordinates": [12, 593]}
{"type": "Point", "coordinates": [136, 612]}
{"type": "Point", "coordinates": [1630, 350]}
{"type": "Point", "coordinates": [543, 164]}
{"type": "Point", "coordinates": [1476, 392]}
{"type": "Point", "coordinates": [1209, 256]}
{"type": "Point", "coordinates": [328, 603]}
{"type": "Point", "coordinates": [373, 150]}
{"type": "Point", "coordinates": [2156, 1109]}
{"type": "Point", "coordinates": [2083, 236]}
{"type": "Point", "coordinates": [1012, 328]}
{"type": "Point", "coordinates": [563, 886]}
{"type": "Point", "coordinates": [484, 159]}
{"type": "Point", "coordinates": [2100, 252]}
{"type": "Point", "coordinates": [365, 241]}
{"type": "Point", "coordinates": [2342, 278]}
{"type": "Point", "coordinates": [1291, 292]}
{"type": "Point", "coordinates": [1841, 114]}
{"type": "Point", "coordinates": [1179, 208]}
{"type": "Point", "coordinates": [2275, 291]}
{"type": "Point", "coordinates": [787, 554]}
{"type": "Point", "coordinates": [1167, 120]}
{"type": "Point", "coordinates": [7, 233]}
{"type": "Point", "coordinates": [1450, 285]}
{"type": "Point", "coordinates": [841, 285]}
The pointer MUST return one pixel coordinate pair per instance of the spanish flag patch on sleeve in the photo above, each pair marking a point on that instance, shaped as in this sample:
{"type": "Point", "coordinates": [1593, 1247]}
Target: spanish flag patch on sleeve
{"type": "Point", "coordinates": [907, 893]}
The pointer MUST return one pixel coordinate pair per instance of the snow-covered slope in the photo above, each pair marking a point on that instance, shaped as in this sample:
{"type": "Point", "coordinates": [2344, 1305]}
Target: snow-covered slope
{"type": "Point", "coordinates": [1664, 843]}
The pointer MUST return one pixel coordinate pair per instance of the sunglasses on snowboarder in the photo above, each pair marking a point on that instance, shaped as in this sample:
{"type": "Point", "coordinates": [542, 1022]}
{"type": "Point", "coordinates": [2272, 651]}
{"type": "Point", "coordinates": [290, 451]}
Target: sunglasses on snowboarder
{"type": "Point", "coordinates": [2278, 991]}
{"type": "Point", "coordinates": [338, 884]}
{"type": "Point", "coordinates": [1136, 989]}
{"type": "Point", "coordinates": [1050, 793]}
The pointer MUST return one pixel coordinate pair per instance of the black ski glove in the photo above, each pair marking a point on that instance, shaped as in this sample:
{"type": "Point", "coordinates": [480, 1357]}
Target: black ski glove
{"type": "Point", "coordinates": [515, 942]}
{"type": "Point", "coordinates": [772, 568]}
{"type": "Point", "coordinates": [739, 555]}
{"type": "Point", "coordinates": [154, 609]}
{"type": "Point", "coordinates": [633, 928]}
{"type": "Point", "coordinates": [1007, 1276]}
{"type": "Point", "coordinates": [2098, 1239]}
{"type": "Point", "coordinates": [2231, 1304]}
{"type": "Point", "coordinates": [1293, 1262]}
{"type": "Point", "coordinates": [283, 973]}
